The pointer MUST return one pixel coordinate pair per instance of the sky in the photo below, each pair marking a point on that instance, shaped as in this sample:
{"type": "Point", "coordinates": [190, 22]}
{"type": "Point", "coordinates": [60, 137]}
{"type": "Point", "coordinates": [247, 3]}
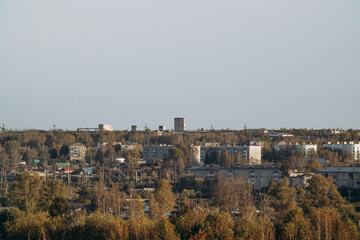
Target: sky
{"type": "Point", "coordinates": [267, 63]}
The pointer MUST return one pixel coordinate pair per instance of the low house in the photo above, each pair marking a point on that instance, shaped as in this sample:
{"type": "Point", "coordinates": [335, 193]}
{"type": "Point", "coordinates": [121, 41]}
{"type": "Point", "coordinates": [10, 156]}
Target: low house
{"type": "Point", "coordinates": [67, 170]}
{"type": "Point", "coordinates": [88, 171]}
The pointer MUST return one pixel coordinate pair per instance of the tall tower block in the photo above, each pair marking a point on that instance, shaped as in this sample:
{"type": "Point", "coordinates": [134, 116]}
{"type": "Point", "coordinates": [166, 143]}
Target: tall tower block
{"type": "Point", "coordinates": [179, 124]}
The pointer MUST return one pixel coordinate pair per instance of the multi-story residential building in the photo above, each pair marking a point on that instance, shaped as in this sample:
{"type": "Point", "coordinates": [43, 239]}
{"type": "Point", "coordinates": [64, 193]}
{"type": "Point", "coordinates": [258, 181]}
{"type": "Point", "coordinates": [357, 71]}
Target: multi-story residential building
{"type": "Point", "coordinates": [300, 179]}
{"type": "Point", "coordinates": [179, 125]}
{"type": "Point", "coordinates": [251, 153]}
{"type": "Point", "coordinates": [134, 128]}
{"type": "Point", "coordinates": [105, 127]}
{"type": "Point", "coordinates": [77, 152]}
{"type": "Point", "coordinates": [351, 147]}
{"type": "Point", "coordinates": [342, 176]}
{"type": "Point", "coordinates": [258, 176]}
{"type": "Point", "coordinates": [305, 149]}
{"type": "Point", "coordinates": [156, 152]}
{"type": "Point", "coordinates": [278, 134]}
{"type": "Point", "coordinates": [128, 146]}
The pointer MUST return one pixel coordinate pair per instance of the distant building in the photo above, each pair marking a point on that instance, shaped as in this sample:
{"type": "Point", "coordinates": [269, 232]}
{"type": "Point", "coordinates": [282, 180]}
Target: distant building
{"type": "Point", "coordinates": [100, 144]}
{"type": "Point", "coordinates": [256, 143]}
{"type": "Point", "coordinates": [67, 169]}
{"type": "Point", "coordinates": [300, 179]}
{"type": "Point", "coordinates": [61, 165]}
{"type": "Point", "coordinates": [156, 152]}
{"type": "Point", "coordinates": [304, 149]}
{"type": "Point", "coordinates": [251, 153]}
{"type": "Point", "coordinates": [134, 128]}
{"type": "Point", "coordinates": [277, 134]}
{"type": "Point", "coordinates": [212, 144]}
{"type": "Point", "coordinates": [342, 176]}
{"type": "Point", "coordinates": [162, 128]}
{"type": "Point", "coordinates": [119, 160]}
{"type": "Point", "coordinates": [77, 152]}
{"type": "Point", "coordinates": [351, 147]}
{"type": "Point", "coordinates": [105, 127]}
{"type": "Point", "coordinates": [128, 146]}
{"type": "Point", "coordinates": [179, 125]}
{"type": "Point", "coordinates": [87, 171]}
{"type": "Point", "coordinates": [257, 176]}
{"type": "Point", "coordinates": [254, 132]}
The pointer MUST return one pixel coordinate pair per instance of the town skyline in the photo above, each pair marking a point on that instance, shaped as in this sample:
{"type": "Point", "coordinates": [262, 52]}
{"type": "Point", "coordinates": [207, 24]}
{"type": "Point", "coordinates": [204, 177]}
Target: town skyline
{"type": "Point", "coordinates": [153, 127]}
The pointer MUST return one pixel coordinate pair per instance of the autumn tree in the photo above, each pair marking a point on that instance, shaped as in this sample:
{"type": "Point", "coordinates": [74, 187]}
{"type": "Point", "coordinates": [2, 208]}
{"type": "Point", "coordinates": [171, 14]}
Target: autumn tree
{"type": "Point", "coordinates": [141, 228]}
{"type": "Point", "coordinates": [321, 192]}
{"type": "Point", "coordinates": [25, 193]}
{"type": "Point", "coordinates": [245, 229]}
{"type": "Point", "coordinates": [98, 226]}
{"type": "Point", "coordinates": [312, 165]}
{"type": "Point", "coordinates": [295, 225]}
{"type": "Point", "coordinates": [219, 226]}
{"type": "Point", "coordinates": [12, 148]}
{"type": "Point", "coordinates": [283, 197]}
{"type": "Point", "coordinates": [191, 222]}
{"type": "Point", "coordinates": [265, 229]}
{"type": "Point", "coordinates": [165, 230]}
{"type": "Point", "coordinates": [30, 193]}
{"type": "Point", "coordinates": [59, 207]}
{"type": "Point", "coordinates": [164, 196]}
{"type": "Point", "coordinates": [233, 194]}
{"type": "Point", "coordinates": [226, 159]}
{"type": "Point", "coordinates": [30, 226]}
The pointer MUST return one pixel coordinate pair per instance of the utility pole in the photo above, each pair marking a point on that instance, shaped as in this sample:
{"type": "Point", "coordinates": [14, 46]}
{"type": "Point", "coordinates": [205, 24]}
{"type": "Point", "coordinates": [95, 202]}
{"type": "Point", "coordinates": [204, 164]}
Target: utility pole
{"type": "Point", "coordinates": [69, 190]}
{"type": "Point", "coordinates": [349, 192]}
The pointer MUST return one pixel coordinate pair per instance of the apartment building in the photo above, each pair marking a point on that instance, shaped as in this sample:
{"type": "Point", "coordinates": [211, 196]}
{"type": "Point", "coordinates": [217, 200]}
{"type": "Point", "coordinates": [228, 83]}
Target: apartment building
{"type": "Point", "coordinates": [342, 176]}
{"type": "Point", "coordinates": [105, 127]}
{"type": "Point", "coordinates": [251, 153]}
{"type": "Point", "coordinates": [77, 152]}
{"type": "Point", "coordinates": [257, 176]}
{"type": "Point", "coordinates": [305, 149]}
{"type": "Point", "coordinates": [350, 147]}
{"type": "Point", "coordinates": [156, 152]}
{"type": "Point", "coordinates": [179, 125]}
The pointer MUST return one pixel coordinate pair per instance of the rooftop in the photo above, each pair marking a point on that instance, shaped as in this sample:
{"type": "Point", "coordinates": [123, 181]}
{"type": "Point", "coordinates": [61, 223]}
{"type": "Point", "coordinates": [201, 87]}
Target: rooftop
{"type": "Point", "coordinates": [207, 168]}
{"type": "Point", "coordinates": [340, 169]}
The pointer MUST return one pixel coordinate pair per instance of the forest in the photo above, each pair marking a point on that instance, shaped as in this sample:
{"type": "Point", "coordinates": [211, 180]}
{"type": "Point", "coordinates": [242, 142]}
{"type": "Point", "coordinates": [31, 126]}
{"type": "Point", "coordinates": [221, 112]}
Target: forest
{"type": "Point", "coordinates": [166, 203]}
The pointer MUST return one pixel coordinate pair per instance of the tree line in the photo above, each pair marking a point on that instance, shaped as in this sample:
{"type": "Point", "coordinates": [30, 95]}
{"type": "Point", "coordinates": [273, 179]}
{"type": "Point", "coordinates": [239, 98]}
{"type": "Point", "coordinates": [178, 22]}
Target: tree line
{"type": "Point", "coordinates": [38, 209]}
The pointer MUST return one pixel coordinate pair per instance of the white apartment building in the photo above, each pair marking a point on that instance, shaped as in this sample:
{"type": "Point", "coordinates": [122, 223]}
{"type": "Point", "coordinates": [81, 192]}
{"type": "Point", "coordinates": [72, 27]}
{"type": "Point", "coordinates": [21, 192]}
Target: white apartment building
{"type": "Point", "coordinates": [350, 147]}
{"type": "Point", "coordinates": [105, 127]}
{"type": "Point", "coordinates": [251, 153]}
{"type": "Point", "coordinates": [305, 149]}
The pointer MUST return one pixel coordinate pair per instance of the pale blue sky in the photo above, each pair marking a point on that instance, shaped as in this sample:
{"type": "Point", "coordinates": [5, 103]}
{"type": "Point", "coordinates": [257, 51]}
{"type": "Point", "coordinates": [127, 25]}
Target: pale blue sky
{"type": "Point", "coordinates": [269, 63]}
